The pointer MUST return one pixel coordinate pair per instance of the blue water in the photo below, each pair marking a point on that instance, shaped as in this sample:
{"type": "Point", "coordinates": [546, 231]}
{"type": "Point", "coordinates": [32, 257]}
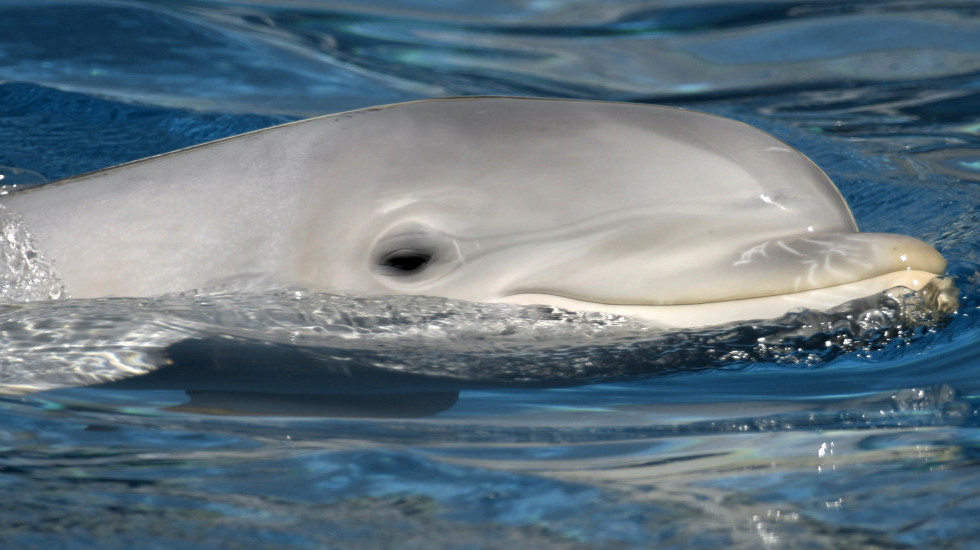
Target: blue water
{"type": "Point", "coordinates": [876, 445]}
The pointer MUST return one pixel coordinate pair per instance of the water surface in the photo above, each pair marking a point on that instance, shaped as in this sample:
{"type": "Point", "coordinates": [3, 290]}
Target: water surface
{"type": "Point", "coordinates": [589, 434]}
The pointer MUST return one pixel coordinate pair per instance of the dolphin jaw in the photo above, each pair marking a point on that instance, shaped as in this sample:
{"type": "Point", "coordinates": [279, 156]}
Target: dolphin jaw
{"type": "Point", "coordinates": [721, 312]}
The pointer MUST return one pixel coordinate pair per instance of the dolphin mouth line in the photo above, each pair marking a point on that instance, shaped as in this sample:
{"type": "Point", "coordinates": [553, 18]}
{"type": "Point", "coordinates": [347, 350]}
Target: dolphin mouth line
{"type": "Point", "coordinates": [723, 311]}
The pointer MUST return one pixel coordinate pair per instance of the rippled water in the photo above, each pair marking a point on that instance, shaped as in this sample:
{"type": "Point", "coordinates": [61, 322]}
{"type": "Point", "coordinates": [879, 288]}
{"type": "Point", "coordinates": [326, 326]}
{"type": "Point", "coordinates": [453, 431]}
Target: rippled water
{"type": "Point", "coordinates": [421, 422]}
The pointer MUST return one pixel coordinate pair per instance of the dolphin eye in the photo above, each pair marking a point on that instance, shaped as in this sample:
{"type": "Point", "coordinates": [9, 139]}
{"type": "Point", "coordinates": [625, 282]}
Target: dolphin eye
{"type": "Point", "coordinates": [414, 255]}
{"type": "Point", "coordinates": [405, 261]}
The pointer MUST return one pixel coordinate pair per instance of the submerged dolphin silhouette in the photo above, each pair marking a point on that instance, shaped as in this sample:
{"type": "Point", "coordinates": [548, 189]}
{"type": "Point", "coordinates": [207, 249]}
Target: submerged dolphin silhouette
{"type": "Point", "coordinates": [676, 217]}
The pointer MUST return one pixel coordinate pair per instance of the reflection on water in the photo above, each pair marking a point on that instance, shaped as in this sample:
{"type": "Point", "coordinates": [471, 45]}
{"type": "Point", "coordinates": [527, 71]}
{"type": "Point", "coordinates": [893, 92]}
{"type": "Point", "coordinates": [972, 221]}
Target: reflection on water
{"type": "Point", "coordinates": [298, 343]}
{"type": "Point", "coordinates": [495, 427]}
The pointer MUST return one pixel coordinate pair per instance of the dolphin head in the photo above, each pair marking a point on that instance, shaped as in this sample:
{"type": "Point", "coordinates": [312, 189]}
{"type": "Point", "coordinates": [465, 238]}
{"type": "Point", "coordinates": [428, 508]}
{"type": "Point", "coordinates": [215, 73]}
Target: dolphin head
{"type": "Point", "coordinates": [675, 216]}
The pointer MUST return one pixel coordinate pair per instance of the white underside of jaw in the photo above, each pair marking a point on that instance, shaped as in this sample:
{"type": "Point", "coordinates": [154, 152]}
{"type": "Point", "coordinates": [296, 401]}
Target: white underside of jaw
{"type": "Point", "coordinates": [716, 313]}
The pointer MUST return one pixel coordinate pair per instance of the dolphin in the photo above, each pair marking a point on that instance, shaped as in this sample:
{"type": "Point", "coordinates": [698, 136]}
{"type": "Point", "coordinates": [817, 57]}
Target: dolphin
{"type": "Point", "coordinates": [675, 217]}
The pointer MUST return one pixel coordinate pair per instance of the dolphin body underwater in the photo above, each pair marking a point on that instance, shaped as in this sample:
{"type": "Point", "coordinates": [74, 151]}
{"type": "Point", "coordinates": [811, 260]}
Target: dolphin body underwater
{"type": "Point", "coordinates": [674, 217]}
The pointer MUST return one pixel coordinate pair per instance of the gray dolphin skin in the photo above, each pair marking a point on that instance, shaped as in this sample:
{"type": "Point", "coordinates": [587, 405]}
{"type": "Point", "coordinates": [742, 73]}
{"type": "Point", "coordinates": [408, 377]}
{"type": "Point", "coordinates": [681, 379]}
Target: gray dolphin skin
{"type": "Point", "coordinates": [675, 217]}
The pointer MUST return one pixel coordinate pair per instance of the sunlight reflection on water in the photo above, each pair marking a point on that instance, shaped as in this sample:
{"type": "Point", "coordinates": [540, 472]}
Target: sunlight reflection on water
{"type": "Point", "coordinates": [881, 95]}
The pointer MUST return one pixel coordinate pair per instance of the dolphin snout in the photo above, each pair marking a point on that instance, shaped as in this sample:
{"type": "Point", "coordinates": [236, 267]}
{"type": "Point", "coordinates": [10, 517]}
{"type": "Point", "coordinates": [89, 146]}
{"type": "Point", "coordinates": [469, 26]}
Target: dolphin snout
{"type": "Point", "coordinates": [717, 272]}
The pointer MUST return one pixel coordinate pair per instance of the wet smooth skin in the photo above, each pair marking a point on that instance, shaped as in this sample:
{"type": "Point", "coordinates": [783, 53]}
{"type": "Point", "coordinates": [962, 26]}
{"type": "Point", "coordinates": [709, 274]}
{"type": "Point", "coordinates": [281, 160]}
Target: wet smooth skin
{"type": "Point", "coordinates": [674, 216]}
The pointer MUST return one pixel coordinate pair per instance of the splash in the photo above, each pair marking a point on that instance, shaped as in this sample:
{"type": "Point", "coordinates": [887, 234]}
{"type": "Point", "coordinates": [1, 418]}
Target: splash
{"type": "Point", "coordinates": [291, 340]}
{"type": "Point", "coordinates": [24, 273]}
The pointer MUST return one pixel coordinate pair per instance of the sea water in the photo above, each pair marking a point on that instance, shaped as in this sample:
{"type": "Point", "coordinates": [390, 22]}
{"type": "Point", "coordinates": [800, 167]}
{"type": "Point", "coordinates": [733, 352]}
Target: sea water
{"type": "Point", "coordinates": [302, 420]}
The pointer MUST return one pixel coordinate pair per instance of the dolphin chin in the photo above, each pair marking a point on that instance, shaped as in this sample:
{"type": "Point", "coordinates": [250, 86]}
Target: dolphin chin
{"type": "Point", "coordinates": [759, 308]}
{"type": "Point", "coordinates": [672, 216]}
